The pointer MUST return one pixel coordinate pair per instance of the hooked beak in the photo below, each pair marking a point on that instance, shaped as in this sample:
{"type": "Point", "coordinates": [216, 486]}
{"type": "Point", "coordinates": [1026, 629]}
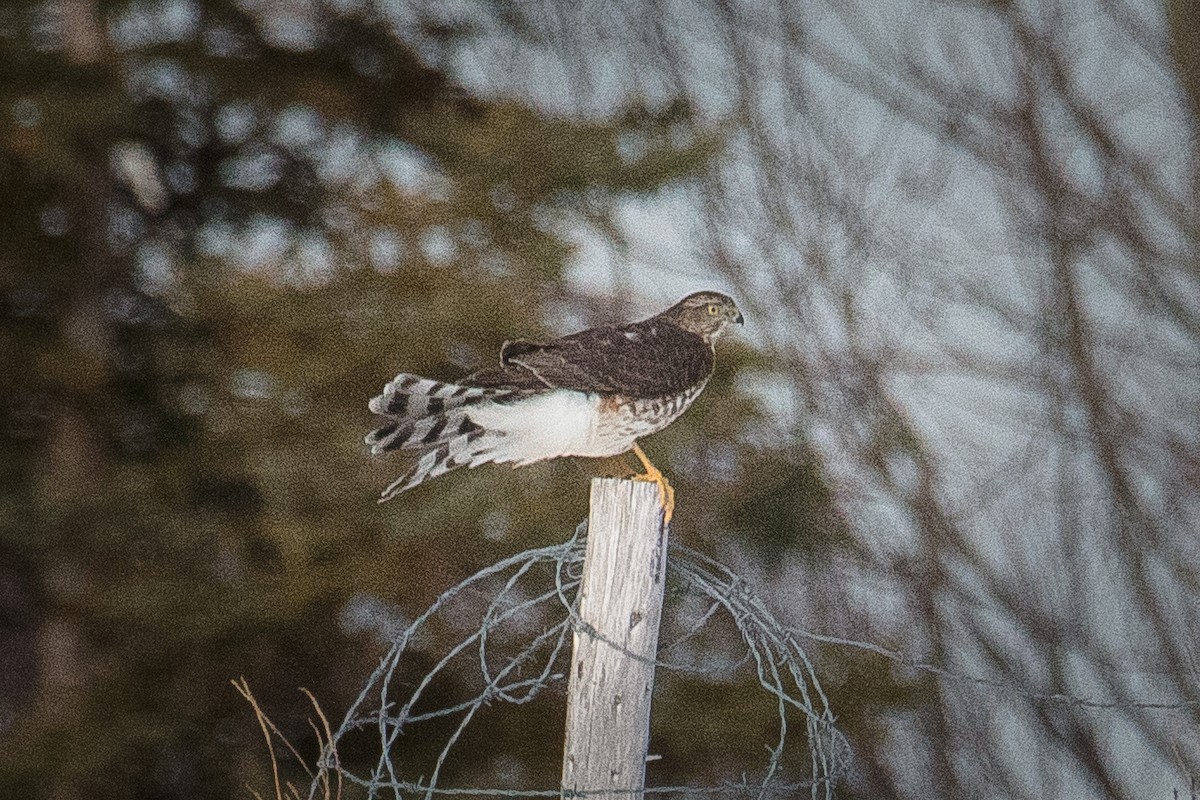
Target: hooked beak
{"type": "Point", "coordinates": [739, 319]}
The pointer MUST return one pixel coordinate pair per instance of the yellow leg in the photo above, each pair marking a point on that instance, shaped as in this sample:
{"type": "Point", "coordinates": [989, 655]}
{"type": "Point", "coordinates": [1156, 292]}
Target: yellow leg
{"type": "Point", "coordinates": [666, 494]}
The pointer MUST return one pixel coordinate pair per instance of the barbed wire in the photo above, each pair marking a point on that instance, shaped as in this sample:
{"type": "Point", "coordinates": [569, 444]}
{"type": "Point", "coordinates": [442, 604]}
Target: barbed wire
{"type": "Point", "coordinates": [528, 602]}
{"type": "Point", "coordinates": [518, 648]}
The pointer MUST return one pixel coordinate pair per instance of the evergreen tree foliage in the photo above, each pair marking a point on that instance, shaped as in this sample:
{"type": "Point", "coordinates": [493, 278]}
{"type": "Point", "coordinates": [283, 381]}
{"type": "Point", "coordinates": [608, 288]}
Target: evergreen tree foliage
{"type": "Point", "coordinates": [223, 228]}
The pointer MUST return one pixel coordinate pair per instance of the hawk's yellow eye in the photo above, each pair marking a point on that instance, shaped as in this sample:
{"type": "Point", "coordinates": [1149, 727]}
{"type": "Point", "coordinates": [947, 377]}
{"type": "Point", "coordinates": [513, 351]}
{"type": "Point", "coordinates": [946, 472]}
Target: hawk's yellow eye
{"type": "Point", "coordinates": [712, 309]}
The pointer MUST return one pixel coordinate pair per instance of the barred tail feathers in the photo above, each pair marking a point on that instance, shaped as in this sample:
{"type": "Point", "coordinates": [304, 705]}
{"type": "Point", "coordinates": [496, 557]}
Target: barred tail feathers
{"type": "Point", "coordinates": [421, 412]}
{"type": "Point", "coordinates": [464, 450]}
{"type": "Point", "coordinates": [413, 397]}
{"type": "Point", "coordinates": [416, 434]}
{"type": "Point", "coordinates": [455, 426]}
{"type": "Point", "coordinates": [432, 416]}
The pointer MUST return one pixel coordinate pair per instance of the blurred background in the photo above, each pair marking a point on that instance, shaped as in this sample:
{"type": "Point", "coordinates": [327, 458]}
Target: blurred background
{"type": "Point", "coordinates": [961, 422]}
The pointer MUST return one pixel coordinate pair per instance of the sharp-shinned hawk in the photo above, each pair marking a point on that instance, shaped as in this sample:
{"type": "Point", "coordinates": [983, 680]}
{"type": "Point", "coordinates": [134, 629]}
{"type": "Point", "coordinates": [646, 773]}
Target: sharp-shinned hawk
{"type": "Point", "coordinates": [593, 394]}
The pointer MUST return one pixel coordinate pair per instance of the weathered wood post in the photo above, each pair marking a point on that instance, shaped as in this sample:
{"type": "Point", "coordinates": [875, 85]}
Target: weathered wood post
{"type": "Point", "coordinates": [615, 643]}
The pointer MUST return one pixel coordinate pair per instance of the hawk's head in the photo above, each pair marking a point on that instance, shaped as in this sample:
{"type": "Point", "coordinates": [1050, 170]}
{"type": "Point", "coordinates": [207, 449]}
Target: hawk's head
{"type": "Point", "coordinates": [706, 314]}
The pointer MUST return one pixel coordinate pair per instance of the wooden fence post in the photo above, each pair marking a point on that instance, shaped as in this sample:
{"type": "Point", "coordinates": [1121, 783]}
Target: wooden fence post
{"type": "Point", "coordinates": [615, 642]}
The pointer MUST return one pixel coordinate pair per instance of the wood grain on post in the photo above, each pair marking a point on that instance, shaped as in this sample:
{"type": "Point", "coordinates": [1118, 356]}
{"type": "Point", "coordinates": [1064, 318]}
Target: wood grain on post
{"type": "Point", "coordinates": [616, 639]}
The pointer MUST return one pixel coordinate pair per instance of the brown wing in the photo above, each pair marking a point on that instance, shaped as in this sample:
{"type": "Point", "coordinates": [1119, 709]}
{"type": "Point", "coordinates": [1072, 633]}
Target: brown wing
{"type": "Point", "coordinates": [652, 358]}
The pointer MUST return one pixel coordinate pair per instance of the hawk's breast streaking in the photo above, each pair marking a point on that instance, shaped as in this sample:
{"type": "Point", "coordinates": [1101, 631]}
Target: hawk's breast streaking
{"type": "Point", "coordinates": [593, 393]}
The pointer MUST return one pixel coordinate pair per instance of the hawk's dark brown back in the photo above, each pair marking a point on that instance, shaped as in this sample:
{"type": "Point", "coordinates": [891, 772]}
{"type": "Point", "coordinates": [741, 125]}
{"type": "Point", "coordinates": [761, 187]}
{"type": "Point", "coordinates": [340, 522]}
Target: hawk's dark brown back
{"type": "Point", "coordinates": [651, 358]}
